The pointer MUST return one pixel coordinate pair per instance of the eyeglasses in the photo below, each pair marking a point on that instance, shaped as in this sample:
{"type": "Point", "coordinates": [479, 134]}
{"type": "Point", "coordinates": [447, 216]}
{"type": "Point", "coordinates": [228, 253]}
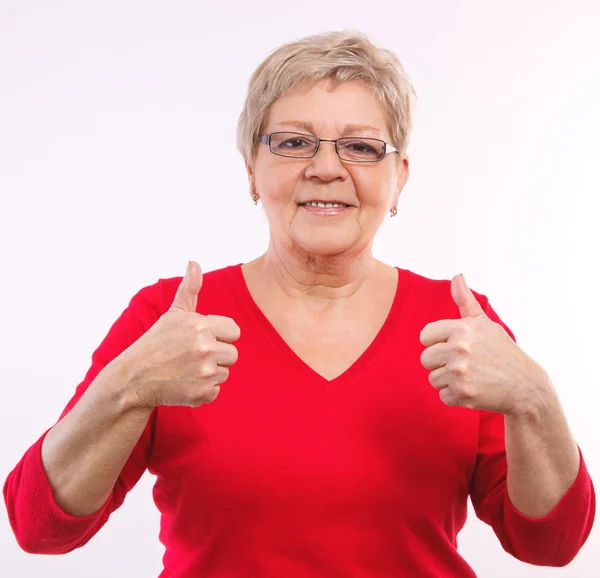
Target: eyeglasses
{"type": "Point", "coordinates": [304, 146]}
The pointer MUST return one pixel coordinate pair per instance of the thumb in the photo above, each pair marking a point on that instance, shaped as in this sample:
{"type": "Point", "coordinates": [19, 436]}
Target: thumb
{"type": "Point", "coordinates": [464, 298]}
{"type": "Point", "coordinates": [186, 298]}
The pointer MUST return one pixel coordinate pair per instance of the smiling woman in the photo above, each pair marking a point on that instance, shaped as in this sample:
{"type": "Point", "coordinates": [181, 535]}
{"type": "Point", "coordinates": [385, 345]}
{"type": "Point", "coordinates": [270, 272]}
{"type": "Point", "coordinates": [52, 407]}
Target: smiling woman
{"type": "Point", "coordinates": [354, 167]}
{"type": "Point", "coordinates": [315, 411]}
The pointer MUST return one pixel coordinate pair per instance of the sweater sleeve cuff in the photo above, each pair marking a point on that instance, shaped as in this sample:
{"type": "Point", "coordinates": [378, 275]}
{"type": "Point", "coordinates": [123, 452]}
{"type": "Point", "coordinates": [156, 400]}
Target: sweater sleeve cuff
{"type": "Point", "coordinates": [49, 519]}
{"type": "Point", "coordinates": [567, 526]}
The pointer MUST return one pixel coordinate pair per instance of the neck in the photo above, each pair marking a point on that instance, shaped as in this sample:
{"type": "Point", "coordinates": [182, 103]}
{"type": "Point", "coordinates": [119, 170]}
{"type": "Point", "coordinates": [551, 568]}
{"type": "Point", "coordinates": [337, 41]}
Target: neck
{"type": "Point", "coordinates": [314, 277]}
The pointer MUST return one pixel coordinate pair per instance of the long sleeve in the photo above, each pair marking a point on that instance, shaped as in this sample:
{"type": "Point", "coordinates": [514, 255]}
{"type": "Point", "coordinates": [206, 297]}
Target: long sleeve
{"type": "Point", "coordinates": [553, 540]}
{"type": "Point", "coordinates": [39, 524]}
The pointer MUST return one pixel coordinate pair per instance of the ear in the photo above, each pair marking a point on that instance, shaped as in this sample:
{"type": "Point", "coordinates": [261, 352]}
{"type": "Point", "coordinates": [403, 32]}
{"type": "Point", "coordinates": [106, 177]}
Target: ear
{"type": "Point", "coordinates": [403, 172]}
{"type": "Point", "coordinates": [250, 171]}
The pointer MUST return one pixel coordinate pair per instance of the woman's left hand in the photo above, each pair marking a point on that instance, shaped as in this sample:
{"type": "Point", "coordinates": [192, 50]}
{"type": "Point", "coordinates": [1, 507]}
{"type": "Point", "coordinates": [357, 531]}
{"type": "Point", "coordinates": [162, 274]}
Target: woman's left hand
{"type": "Point", "coordinates": [476, 364]}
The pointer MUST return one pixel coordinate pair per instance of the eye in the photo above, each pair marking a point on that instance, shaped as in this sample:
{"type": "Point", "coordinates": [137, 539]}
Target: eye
{"type": "Point", "coordinates": [361, 150]}
{"type": "Point", "coordinates": [360, 147]}
{"type": "Point", "coordinates": [294, 143]}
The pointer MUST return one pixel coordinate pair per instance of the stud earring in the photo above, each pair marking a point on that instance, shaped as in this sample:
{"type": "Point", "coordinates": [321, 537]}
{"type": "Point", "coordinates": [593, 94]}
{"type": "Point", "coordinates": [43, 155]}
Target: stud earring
{"type": "Point", "coordinates": [393, 212]}
{"type": "Point", "coordinates": [255, 198]}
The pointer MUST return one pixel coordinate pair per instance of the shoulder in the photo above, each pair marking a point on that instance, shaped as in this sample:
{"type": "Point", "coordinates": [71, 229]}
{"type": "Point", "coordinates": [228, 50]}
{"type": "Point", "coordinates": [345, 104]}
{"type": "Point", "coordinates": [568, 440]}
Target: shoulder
{"type": "Point", "coordinates": [432, 292]}
{"type": "Point", "coordinates": [434, 298]}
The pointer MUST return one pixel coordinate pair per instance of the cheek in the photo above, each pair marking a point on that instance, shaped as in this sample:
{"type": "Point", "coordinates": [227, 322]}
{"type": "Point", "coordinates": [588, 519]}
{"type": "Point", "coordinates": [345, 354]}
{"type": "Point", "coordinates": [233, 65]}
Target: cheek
{"type": "Point", "coordinates": [278, 185]}
{"type": "Point", "coordinates": [373, 190]}
{"type": "Point", "coordinates": [278, 191]}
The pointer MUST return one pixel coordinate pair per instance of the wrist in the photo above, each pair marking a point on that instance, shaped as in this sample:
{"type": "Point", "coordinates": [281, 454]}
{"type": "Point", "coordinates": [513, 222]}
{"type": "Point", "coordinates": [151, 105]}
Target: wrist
{"type": "Point", "coordinates": [539, 399]}
{"type": "Point", "coordinates": [118, 384]}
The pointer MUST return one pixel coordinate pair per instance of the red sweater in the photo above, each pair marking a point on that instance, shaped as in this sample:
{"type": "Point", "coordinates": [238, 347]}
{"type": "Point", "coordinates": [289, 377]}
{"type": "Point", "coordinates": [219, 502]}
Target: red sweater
{"type": "Point", "coordinates": [289, 475]}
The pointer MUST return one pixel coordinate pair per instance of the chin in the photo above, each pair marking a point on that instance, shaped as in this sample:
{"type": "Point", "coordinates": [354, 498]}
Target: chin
{"type": "Point", "coordinates": [325, 248]}
{"type": "Point", "coordinates": [326, 241]}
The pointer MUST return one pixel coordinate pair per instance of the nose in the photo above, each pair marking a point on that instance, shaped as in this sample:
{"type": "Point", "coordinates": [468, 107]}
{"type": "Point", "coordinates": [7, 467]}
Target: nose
{"type": "Point", "coordinates": [326, 164]}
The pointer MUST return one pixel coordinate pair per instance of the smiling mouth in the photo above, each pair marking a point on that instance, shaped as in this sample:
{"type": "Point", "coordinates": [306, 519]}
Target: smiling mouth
{"type": "Point", "coordinates": [323, 205]}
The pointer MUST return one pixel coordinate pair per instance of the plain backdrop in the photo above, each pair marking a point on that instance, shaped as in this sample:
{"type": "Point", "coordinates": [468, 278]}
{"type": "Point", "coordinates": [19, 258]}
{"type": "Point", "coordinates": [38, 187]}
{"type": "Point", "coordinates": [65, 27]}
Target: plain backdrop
{"type": "Point", "coordinates": [118, 164]}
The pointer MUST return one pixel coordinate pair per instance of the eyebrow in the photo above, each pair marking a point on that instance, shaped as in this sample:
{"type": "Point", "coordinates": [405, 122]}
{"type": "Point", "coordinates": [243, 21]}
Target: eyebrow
{"type": "Point", "coordinates": [349, 128]}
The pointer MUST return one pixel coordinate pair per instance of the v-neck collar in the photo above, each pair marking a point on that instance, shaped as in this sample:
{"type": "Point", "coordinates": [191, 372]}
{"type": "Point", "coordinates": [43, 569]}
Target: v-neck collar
{"type": "Point", "coordinates": [243, 292]}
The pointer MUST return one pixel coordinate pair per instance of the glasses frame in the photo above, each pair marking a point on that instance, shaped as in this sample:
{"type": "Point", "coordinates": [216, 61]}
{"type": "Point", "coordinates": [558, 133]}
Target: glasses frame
{"type": "Point", "coordinates": [387, 147]}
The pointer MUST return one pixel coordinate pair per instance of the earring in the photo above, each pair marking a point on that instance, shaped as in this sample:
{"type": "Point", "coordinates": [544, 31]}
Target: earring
{"type": "Point", "coordinates": [255, 198]}
{"type": "Point", "coordinates": [393, 212]}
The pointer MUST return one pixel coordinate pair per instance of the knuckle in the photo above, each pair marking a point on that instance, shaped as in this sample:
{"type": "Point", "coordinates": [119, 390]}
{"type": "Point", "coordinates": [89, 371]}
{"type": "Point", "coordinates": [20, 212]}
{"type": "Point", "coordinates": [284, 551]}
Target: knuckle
{"type": "Point", "coordinates": [464, 330]}
{"type": "Point", "coordinates": [200, 396]}
{"type": "Point", "coordinates": [462, 347]}
{"type": "Point", "coordinates": [467, 392]}
{"type": "Point", "coordinates": [206, 369]}
{"type": "Point", "coordinates": [202, 347]}
{"type": "Point", "coordinates": [206, 330]}
{"type": "Point", "coordinates": [457, 366]}
{"type": "Point", "coordinates": [204, 341]}
{"type": "Point", "coordinates": [467, 397]}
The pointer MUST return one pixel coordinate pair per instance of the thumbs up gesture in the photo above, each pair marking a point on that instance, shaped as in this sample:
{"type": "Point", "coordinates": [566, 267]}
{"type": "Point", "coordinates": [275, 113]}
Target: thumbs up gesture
{"type": "Point", "coordinates": [186, 298]}
{"type": "Point", "coordinates": [184, 357]}
{"type": "Point", "coordinates": [474, 362]}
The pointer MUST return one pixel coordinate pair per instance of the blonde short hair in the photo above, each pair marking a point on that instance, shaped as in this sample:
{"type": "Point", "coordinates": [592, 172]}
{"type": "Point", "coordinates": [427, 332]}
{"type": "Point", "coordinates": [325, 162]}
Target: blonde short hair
{"type": "Point", "coordinates": [340, 56]}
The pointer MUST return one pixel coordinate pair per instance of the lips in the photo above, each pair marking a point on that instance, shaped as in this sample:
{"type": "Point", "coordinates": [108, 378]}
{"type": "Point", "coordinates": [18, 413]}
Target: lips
{"type": "Point", "coordinates": [322, 203]}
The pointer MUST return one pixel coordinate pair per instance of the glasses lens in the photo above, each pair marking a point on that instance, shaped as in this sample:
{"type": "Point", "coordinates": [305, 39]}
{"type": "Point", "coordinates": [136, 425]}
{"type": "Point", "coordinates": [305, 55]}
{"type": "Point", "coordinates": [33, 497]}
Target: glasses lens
{"type": "Point", "coordinates": [361, 149]}
{"type": "Point", "coordinates": [292, 144]}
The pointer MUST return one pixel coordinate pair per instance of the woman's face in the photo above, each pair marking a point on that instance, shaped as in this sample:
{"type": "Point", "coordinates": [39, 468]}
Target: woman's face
{"type": "Point", "coordinates": [285, 184]}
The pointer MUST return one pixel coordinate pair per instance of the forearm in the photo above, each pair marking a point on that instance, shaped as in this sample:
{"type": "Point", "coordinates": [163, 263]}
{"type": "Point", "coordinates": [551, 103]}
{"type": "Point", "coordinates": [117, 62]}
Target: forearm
{"type": "Point", "coordinates": [542, 456]}
{"type": "Point", "coordinates": [84, 452]}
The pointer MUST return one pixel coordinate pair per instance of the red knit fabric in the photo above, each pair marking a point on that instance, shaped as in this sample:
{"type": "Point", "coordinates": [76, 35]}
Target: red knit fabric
{"type": "Point", "coordinates": [290, 475]}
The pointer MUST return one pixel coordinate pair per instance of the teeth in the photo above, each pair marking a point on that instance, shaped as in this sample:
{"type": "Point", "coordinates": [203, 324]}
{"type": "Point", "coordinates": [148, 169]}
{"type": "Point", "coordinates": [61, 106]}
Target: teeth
{"type": "Point", "coordinates": [325, 205]}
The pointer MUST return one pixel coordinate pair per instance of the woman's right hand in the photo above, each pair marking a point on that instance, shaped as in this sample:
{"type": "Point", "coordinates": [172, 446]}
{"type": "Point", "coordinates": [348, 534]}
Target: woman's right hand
{"type": "Point", "coordinates": [184, 357]}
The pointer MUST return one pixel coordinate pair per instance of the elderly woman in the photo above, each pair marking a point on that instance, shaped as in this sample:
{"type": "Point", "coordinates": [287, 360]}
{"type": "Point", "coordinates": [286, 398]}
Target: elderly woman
{"type": "Point", "coordinates": [314, 412]}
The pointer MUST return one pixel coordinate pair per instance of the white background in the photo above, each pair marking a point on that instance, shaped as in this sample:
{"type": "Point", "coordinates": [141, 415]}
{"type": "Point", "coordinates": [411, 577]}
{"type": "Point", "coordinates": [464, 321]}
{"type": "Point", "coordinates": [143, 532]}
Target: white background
{"type": "Point", "coordinates": [118, 164]}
